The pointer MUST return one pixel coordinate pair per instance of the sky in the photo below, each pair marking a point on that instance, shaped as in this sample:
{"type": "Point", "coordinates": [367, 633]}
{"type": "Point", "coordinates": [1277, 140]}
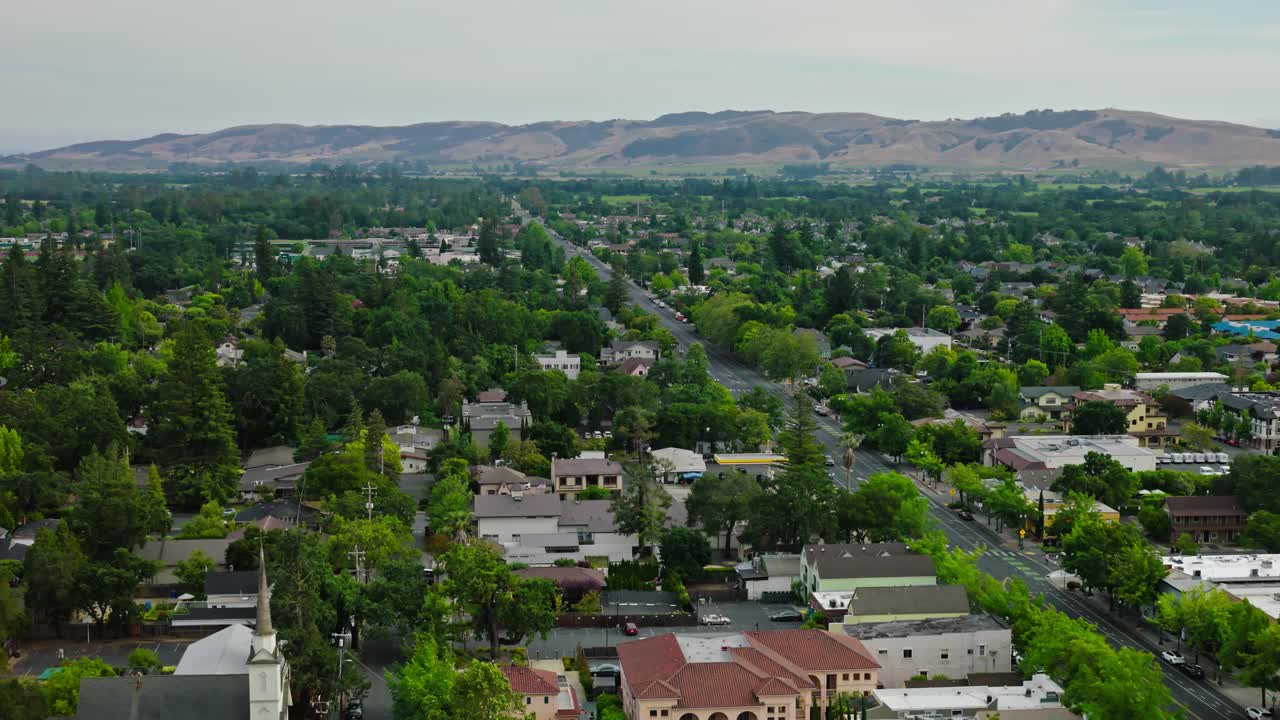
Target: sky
{"type": "Point", "coordinates": [78, 70]}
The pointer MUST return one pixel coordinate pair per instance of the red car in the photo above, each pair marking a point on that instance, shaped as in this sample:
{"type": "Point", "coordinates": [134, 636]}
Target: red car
{"type": "Point", "coordinates": [630, 629]}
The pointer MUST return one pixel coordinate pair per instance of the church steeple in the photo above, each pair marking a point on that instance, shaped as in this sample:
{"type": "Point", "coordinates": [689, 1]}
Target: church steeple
{"type": "Point", "coordinates": [264, 635]}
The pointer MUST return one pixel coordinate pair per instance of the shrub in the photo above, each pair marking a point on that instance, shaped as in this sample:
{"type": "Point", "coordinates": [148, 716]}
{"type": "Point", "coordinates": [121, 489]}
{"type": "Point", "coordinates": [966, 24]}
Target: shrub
{"type": "Point", "coordinates": [590, 603]}
{"type": "Point", "coordinates": [520, 657]}
{"type": "Point", "coordinates": [565, 562]}
{"type": "Point", "coordinates": [144, 660]}
{"type": "Point", "coordinates": [568, 662]}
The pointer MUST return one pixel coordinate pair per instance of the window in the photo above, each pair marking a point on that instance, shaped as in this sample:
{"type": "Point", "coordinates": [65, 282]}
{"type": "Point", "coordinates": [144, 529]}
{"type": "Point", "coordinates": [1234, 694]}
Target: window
{"type": "Point", "coordinates": [882, 651]}
{"type": "Point", "coordinates": [546, 699]}
{"type": "Point", "coordinates": [866, 676]}
{"type": "Point", "coordinates": [846, 676]}
{"type": "Point", "coordinates": [945, 654]}
{"type": "Point", "coordinates": [653, 713]}
{"type": "Point", "coordinates": [528, 700]}
{"type": "Point", "coordinates": [982, 651]}
{"type": "Point", "coordinates": [906, 653]}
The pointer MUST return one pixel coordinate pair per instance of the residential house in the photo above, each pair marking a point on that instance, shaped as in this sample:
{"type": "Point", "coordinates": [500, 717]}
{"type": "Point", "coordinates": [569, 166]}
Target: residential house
{"type": "Point", "coordinates": [1053, 501]}
{"type": "Point", "coordinates": [925, 339]}
{"type": "Point", "coordinates": [952, 646]}
{"type": "Point", "coordinates": [906, 603]}
{"type": "Point", "coordinates": [1039, 698]}
{"type": "Point", "coordinates": [620, 350]}
{"type": "Point", "coordinates": [231, 588]}
{"type": "Point", "coordinates": [570, 476]}
{"type": "Point", "coordinates": [235, 673]}
{"type": "Point", "coordinates": [543, 694]}
{"type": "Point", "coordinates": [847, 567]}
{"type": "Point", "coordinates": [264, 483]}
{"type": "Point", "coordinates": [865, 379]}
{"type": "Point", "coordinates": [1257, 352]}
{"type": "Point", "coordinates": [635, 367]}
{"type": "Point", "coordinates": [766, 675]}
{"type": "Point", "coordinates": [1142, 420]}
{"type": "Point", "coordinates": [1262, 410]}
{"type": "Point", "coordinates": [481, 418]}
{"type": "Point", "coordinates": [1206, 518]}
{"type": "Point", "coordinates": [501, 480]}
{"type": "Point", "coordinates": [25, 534]}
{"type": "Point", "coordinates": [166, 553]}
{"type": "Point", "coordinates": [567, 363]}
{"type": "Point", "coordinates": [540, 528]}
{"type": "Point", "coordinates": [769, 576]}
{"type": "Point", "coordinates": [1051, 452]}
{"type": "Point", "coordinates": [846, 363]}
{"type": "Point", "coordinates": [1191, 400]}
{"type": "Point", "coordinates": [677, 465]}
{"type": "Point", "coordinates": [819, 340]}
{"type": "Point", "coordinates": [228, 352]}
{"type": "Point", "coordinates": [1047, 400]}
{"type": "Point", "coordinates": [416, 444]}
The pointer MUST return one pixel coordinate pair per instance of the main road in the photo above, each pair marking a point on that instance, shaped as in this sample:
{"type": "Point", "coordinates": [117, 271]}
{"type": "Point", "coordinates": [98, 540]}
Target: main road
{"type": "Point", "coordinates": [1199, 698]}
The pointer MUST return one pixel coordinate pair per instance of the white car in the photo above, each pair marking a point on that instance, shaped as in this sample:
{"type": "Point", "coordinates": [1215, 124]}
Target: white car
{"type": "Point", "coordinates": [1172, 657]}
{"type": "Point", "coordinates": [1206, 470]}
{"type": "Point", "coordinates": [1255, 713]}
{"type": "Point", "coordinates": [714, 619]}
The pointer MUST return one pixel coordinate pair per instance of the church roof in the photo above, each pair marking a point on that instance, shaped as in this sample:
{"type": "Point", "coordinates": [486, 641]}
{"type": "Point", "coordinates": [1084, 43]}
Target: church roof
{"type": "Point", "coordinates": [225, 652]}
{"type": "Point", "coordinates": [163, 697]}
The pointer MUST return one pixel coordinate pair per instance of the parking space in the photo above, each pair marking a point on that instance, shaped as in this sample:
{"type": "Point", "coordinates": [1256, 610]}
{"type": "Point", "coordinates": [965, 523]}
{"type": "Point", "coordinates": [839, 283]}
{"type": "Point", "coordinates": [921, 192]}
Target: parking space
{"type": "Point", "coordinates": [35, 659]}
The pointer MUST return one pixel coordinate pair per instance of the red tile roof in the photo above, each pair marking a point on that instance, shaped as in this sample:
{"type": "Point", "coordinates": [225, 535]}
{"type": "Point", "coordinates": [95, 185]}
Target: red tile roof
{"type": "Point", "coordinates": [529, 681]}
{"type": "Point", "coordinates": [815, 649]}
{"type": "Point", "coordinates": [644, 661]}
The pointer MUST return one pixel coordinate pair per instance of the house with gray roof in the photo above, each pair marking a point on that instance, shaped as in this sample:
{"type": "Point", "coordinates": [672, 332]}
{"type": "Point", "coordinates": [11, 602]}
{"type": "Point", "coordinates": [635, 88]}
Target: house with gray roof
{"type": "Point", "coordinates": [826, 568]}
{"type": "Point", "coordinates": [482, 418]}
{"type": "Point", "coordinates": [572, 475]}
{"type": "Point", "coordinates": [1047, 400]}
{"type": "Point", "coordinates": [906, 602]}
{"type": "Point", "coordinates": [540, 528]}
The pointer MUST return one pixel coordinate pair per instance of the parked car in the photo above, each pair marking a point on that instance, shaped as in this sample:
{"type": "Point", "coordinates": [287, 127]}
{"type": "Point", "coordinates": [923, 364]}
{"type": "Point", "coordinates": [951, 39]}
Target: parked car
{"type": "Point", "coordinates": [787, 616]}
{"type": "Point", "coordinates": [630, 629]}
{"type": "Point", "coordinates": [714, 619]}
{"type": "Point", "coordinates": [966, 515]}
{"type": "Point", "coordinates": [821, 410]}
{"type": "Point", "coordinates": [1206, 470]}
{"type": "Point", "coordinates": [829, 461]}
{"type": "Point", "coordinates": [355, 710]}
{"type": "Point", "coordinates": [1192, 670]}
{"type": "Point", "coordinates": [1255, 713]}
{"type": "Point", "coordinates": [1173, 657]}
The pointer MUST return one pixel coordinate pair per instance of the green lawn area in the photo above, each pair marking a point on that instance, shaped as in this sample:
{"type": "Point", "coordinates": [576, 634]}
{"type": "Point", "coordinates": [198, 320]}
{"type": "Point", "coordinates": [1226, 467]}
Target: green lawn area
{"type": "Point", "coordinates": [1260, 188]}
{"type": "Point", "coordinates": [625, 199]}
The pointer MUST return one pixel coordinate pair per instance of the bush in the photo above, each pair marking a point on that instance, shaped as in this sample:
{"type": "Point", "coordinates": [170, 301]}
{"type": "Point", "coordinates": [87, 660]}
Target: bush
{"type": "Point", "coordinates": [565, 562]}
{"type": "Point", "coordinates": [590, 603]}
{"type": "Point", "coordinates": [632, 575]}
{"type": "Point", "coordinates": [520, 657]}
{"type": "Point", "coordinates": [673, 584]}
{"type": "Point", "coordinates": [568, 662]}
{"type": "Point", "coordinates": [609, 707]}
{"type": "Point", "coordinates": [144, 660]}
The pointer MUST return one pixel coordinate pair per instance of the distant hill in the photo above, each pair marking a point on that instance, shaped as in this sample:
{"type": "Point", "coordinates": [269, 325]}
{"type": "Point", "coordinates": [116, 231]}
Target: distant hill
{"type": "Point", "coordinates": [1038, 140]}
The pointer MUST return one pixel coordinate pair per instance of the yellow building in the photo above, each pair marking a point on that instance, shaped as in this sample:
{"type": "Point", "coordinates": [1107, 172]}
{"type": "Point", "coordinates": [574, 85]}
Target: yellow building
{"type": "Point", "coordinates": [1142, 419]}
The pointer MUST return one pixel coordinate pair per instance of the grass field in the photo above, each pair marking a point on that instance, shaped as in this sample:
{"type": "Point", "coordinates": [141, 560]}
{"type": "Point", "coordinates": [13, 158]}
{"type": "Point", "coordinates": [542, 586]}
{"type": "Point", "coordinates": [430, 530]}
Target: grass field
{"type": "Point", "coordinates": [625, 199]}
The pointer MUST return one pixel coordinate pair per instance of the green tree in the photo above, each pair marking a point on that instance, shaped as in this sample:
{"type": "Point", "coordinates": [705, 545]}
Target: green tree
{"type": "Point", "coordinates": [1099, 418]}
{"type": "Point", "coordinates": [886, 508]}
{"type": "Point", "coordinates": [422, 688]}
{"type": "Point", "coordinates": [1197, 437]}
{"type": "Point", "coordinates": [190, 426]}
{"type": "Point", "coordinates": [111, 510]}
{"type": "Point", "coordinates": [494, 598]}
{"type": "Point", "coordinates": [62, 690]}
{"type": "Point", "coordinates": [1136, 575]}
{"type": "Point", "coordinates": [266, 390]}
{"type": "Point", "coordinates": [1032, 373]}
{"type": "Point", "coordinates": [449, 506]}
{"type": "Point", "coordinates": [487, 243]}
{"type": "Point", "coordinates": [685, 551]}
{"type": "Point", "coordinates": [10, 451]}
{"type": "Point", "coordinates": [696, 272]}
{"type": "Point", "coordinates": [208, 524]}
{"type": "Point", "coordinates": [498, 439]}
{"type": "Point", "coordinates": [641, 507]}
{"type": "Point", "coordinates": [1262, 531]}
{"type": "Point", "coordinates": [893, 437]}
{"type": "Point", "coordinates": [481, 692]}
{"type": "Point", "coordinates": [1132, 262]}
{"type": "Point", "coordinates": [23, 699]}
{"type": "Point", "coordinates": [896, 350]}
{"type": "Point", "coordinates": [144, 659]}
{"type": "Point", "coordinates": [53, 567]}
{"type": "Point", "coordinates": [1261, 666]}
{"type": "Point", "coordinates": [944, 318]}
{"type": "Point", "coordinates": [719, 502]}
{"type": "Point", "coordinates": [192, 571]}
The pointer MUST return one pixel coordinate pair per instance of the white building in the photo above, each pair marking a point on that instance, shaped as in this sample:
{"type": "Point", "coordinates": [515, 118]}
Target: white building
{"type": "Point", "coordinates": [565, 362]}
{"type": "Point", "coordinates": [924, 338]}
{"type": "Point", "coordinates": [953, 647]}
{"type": "Point", "coordinates": [1254, 577]}
{"type": "Point", "coordinates": [1175, 380]}
{"type": "Point", "coordinates": [674, 464]}
{"type": "Point", "coordinates": [1040, 694]}
{"type": "Point", "coordinates": [620, 350]}
{"type": "Point", "coordinates": [1050, 452]}
{"type": "Point", "coordinates": [539, 528]}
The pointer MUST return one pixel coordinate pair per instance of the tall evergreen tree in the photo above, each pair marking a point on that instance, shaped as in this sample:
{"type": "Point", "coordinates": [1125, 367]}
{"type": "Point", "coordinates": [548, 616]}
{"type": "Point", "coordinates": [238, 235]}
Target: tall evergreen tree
{"type": "Point", "coordinates": [266, 391]}
{"type": "Point", "coordinates": [375, 430]}
{"type": "Point", "coordinates": [487, 243]}
{"type": "Point", "coordinates": [696, 272]}
{"type": "Point", "coordinates": [264, 257]}
{"type": "Point", "coordinates": [56, 271]}
{"type": "Point", "coordinates": [190, 427]}
{"type": "Point", "coordinates": [19, 293]}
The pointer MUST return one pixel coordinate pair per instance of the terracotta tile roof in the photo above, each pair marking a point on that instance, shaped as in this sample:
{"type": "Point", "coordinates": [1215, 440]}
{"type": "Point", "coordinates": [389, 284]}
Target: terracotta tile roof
{"type": "Point", "coordinates": [530, 681]}
{"type": "Point", "coordinates": [716, 684]}
{"type": "Point", "coordinates": [767, 666]}
{"type": "Point", "coordinates": [644, 661]}
{"type": "Point", "coordinates": [774, 686]}
{"type": "Point", "coordinates": [815, 649]}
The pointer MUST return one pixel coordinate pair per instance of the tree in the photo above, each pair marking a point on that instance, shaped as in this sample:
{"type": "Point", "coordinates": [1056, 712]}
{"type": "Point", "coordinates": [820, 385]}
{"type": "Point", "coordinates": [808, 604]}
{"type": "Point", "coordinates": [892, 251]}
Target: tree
{"type": "Point", "coordinates": [1262, 531]}
{"type": "Point", "coordinates": [481, 692]}
{"type": "Point", "coordinates": [641, 506]}
{"type": "Point", "coordinates": [1132, 262]}
{"type": "Point", "coordinates": [190, 425]}
{"type": "Point", "coordinates": [894, 435]}
{"type": "Point", "coordinates": [1032, 373]}
{"type": "Point", "coordinates": [917, 400]}
{"type": "Point", "coordinates": [422, 688]}
{"type": "Point", "coordinates": [192, 571]}
{"type": "Point", "coordinates": [886, 508]}
{"type": "Point", "coordinates": [1136, 575]}
{"type": "Point", "coordinates": [449, 506]}
{"type": "Point", "coordinates": [921, 454]}
{"type": "Point", "coordinates": [1099, 477]}
{"type": "Point", "coordinates": [719, 502]}
{"type": "Point", "coordinates": [1098, 417]}
{"type": "Point", "coordinates": [144, 659]}
{"type": "Point", "coordinates": [62, 689]}
{"type": "Point", "coordinates": [696, 272]}
{"type": "Point", "coordinates": [1186, 545]}
{"type": "Point", "coordinates": [896, 350]}
{"type": "Point", "coordinates": [1154, 520]}
{"type": "Point", "coordinates": [616, 293]}
{"type": "Point", "coordinates": [944, 318]}
{"type": "Point", "coordinates": [10, 451]}
{"type": "Point", "coordinates": [266, 390]}
{"type": "Point", "coordinates": [487, 243]}
{"type": "Point", "coordinates": [498, 439]}
{"type": "Point", "coordinates": [1261, 666]}
{"type": "Point", "coordinates": [53, 567]}
{"type": "Point", "coordinates": [685, 551]}
{"type": "Point", "coordinates": [1197, 437]}
{"type": "Point", "coordinates": [23, 699]}
{"type": "Point", "coordinates": [112, 511]}
{"type": "Point", "coordinates": [1007, 504]}
{"type": "Point", "coordinates": [208, 524]}
{"type": "Point", "coordinates": [967, 482]}
{"type": "Point", "coordinates": [494, 598]}
{"type": "Point", "coordinates": [1252, 479]}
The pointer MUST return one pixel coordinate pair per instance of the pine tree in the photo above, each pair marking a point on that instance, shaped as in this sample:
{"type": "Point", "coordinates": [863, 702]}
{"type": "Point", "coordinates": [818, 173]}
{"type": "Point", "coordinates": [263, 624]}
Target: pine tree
{"type": "Point", "coordinates": [56, 272]}
{"type": "Point", "coordinates": [375, 431]}
{"type": "Point", "coordinates": [19, 294]}
{"type": "Point", "coordinates": [160, 520]}
{"type": "Point", "coordinates": [191, 424]}
{"type": "Point", "coordinates": [264, 257]}
{"type": "Point", "coordinates": [487, 243]}
{"type": "Point", "coordinates": [615, 294]}
{"type": "Point", "coordinates": [696, 272]}
{"type": "Point", "coordinates": [355, 423]}
{"type": "Point", "coordinates": [12, 211]}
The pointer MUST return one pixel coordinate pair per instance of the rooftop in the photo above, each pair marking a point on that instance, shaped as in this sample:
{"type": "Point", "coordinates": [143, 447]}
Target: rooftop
{"type": "Point", "coordinates": [932, 626]}
{"type": "Point", "coordinates": [1221, 568]}
{"type": "Point", "coordinates": [1217, 505]}
{"type": "Point", "coordinates": [1038, 692]}
{"type": "Point", "coordinates": [585, 466]}
{"type": "Point", "coordinates": [867, 560]}
{"type": "Point", "coordinates": [528, 505]}
{"type": "Point", "coordinates": [921, 599]}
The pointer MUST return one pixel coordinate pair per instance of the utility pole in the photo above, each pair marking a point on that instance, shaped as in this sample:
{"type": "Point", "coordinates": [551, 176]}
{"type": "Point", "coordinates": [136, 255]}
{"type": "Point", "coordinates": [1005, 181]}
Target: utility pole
{"type": "Point", "coordinates": [368, 504]}
{"type": "Point", "coordinates": [362, 574]}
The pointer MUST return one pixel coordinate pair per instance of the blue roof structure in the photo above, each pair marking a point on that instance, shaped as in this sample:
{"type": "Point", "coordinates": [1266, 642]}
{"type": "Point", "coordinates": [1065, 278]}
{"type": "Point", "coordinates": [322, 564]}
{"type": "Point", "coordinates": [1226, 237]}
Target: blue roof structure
{"type": "Point", "coordinates": [1260, 329]}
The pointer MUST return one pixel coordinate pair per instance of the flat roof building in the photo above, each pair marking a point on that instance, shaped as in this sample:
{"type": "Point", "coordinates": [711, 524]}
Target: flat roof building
{"type": "Point", "coordinates": [1048, 452]}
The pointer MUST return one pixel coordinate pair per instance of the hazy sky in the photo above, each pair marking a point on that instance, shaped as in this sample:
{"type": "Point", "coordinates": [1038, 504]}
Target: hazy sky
{"type": "Point", "coordinates": [73, 70]}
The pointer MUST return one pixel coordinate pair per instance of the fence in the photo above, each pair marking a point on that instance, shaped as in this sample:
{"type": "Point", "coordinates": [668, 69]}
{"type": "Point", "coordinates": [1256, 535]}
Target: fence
{"type": "Point", "coordinates": [595, 620]}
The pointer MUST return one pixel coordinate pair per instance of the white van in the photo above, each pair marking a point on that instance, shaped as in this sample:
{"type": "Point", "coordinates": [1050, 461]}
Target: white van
{"type": "Point", "coordinates": [1199, 457]}
{"type": "Point", "coordinates": [1165, 458]}
{"type": "Point", "coordinates": [1223, 458]}
{"type": "Point", "coordinates": [1179, 458]}
{"type": "Point", "coordinates": [1206, 470]}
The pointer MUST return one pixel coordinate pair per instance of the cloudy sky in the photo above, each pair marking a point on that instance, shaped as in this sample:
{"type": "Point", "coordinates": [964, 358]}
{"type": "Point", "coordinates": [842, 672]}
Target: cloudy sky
{"type": "Point", "coordinates": [73, 70]}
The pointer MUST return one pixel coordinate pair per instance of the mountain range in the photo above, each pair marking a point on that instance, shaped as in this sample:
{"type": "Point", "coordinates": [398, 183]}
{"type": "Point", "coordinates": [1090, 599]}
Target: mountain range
{"type": "Point", "coordinates": [1037, 140]}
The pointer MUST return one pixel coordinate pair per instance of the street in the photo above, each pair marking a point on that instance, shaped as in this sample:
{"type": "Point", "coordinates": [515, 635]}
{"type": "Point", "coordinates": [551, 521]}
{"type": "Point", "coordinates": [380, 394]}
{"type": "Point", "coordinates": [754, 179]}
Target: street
{"type": "Point", "coordinates": [1199, 698]}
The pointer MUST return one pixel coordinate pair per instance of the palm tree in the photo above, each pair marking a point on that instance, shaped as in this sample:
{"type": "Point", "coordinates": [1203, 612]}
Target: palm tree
{"type": "Point", "coordinates": [849, 442]}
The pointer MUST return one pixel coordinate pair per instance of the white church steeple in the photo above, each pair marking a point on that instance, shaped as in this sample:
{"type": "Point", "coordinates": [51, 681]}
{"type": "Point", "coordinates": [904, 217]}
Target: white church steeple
{"type": "Point", "coordinates": [269, 696]}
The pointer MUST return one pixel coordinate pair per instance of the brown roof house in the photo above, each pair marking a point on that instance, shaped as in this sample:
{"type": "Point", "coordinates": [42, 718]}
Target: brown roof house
{"type": "Point", "coordinates": [543, 694]}
{"type": "Point", "coordinates": [1206, 518]}
{"type": "Point", "coordinates": [778, 674]}
{"type": "Point", "coordinates": [571, 476]}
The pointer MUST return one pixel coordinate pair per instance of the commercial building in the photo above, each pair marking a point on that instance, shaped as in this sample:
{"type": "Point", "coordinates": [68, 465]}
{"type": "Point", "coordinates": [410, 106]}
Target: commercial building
{"type": "Point", "coordinates": [925, 339]}
{"type": "Point", "coordinates": [1175, 380]}
{"type": "Point", "coordinates": [674, 464]}
{"type": "Point", "coordinates": [1206, 518]}
{"type": "Point", "coordinates": [1039, 698]}
{"type": "Point", "coordinates": [953, 647]}
{"type": "Point", "coordinates": [1049, 452]}
{"type": "Point", "coordinates": [1247, 576]}
{"type": "Point", "coordinates": [768, 675]}
{"type": "Point", "coordinates": [1142, 420]}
